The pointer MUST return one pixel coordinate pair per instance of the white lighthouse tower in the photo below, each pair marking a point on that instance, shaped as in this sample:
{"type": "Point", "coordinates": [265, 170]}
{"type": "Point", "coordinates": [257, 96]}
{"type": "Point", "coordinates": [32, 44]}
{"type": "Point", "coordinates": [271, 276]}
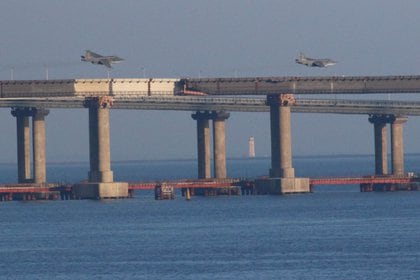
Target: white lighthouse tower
{"type": "Point", "coordinates": [251, 147]}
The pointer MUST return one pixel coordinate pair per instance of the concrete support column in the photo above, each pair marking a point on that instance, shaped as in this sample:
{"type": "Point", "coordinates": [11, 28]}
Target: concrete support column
{"type": "Point", "coordinates": [281, 136]}
{"type": "Point", "coordinates": [282, 175]}
{"type": "Point", "coordinates": [397, 146]}
{"type": "Point", "coordinates": [203, 144]}
{"type": "Point", "coordinates": [23, 143]}
{"type": "Point", "coordinates": [219, 143]}
{"type": "Point", "coordinates": [93, 144]}
{"type": "Point", "coordinates": [380, 140]}
{"type": "Point", "coordinates": [101, 179]}
{"type": "Point", "coordinates": [99, 143]}
{"type": "Point", "coordinates": [39, 140]}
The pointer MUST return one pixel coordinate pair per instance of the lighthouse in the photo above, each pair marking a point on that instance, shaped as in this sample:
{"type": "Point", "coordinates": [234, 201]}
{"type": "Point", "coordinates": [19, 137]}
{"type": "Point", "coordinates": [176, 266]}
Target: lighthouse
{"type": "Point", "coordinates": [251, 147]}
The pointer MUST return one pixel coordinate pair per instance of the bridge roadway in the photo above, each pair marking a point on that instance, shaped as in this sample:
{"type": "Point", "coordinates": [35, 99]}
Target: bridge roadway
{"type": "Point", "coordinates": [232, 104]}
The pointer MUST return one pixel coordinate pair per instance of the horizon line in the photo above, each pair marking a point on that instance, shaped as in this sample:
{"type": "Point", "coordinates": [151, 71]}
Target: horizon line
{"type": "Point", "coordinates": [228, 158]}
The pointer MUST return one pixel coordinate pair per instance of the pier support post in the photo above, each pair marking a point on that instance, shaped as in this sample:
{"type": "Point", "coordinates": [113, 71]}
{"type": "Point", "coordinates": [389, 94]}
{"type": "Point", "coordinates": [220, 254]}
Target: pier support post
{"type": "Point", "coordinates": [203, 144]}
{"type": "Point", "coordinates": [101, 182]}
{"type": "Point", "coordinates": [397, 145]}
{"type": "Point", "coordinates": [380, 140]}
{"type": "Point", "coordinates": [99, 145]}
{"type": "Point", "coordinates": [219, 143]}
{"type": "Point", "coordinates": [281, 138]}
{"type": "Point", "coordinates": [23, 143]}
{"type": "Point", "coordinates": [39, 139]}
{"type": "Point", "coordinates": [282, 175]}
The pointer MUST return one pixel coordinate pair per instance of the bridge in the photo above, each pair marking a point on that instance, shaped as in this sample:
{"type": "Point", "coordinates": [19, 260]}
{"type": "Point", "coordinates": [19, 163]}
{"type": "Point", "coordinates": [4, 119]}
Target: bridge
{"type": "Point", "coordinates": [214, 86]}
{"type": "Point", "coordinates": [232, 104]}
{"type": "Point", "coordinates": [304, 85]}
{"type": "Point", "coordinates": [210, 100]}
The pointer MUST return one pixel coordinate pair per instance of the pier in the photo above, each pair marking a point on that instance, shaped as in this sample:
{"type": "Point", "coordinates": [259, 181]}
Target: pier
{"type": "Point", "coordinates": [203, 187]}
{"type": "Point", "coordinates": [211, 102]}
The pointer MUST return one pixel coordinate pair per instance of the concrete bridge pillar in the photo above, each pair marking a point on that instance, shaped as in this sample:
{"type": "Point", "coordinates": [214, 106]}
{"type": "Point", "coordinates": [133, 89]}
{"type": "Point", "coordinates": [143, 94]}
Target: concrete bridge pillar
{"type": "Point", "coordinates": [380, 139]}
{"type": "Point", "coordinates": [282, 175]}
{"type": "Point", "coordinates": [219, 143]}
{"type": "Point", "coordinates": [397, 145]}
{"type": "Point", "coordinates": [99, 144]}
{"type": "Point", "coordinates": [101, 182]}
{"type": "Point", "coordinates": [23, 143]}
{"type": "Point", "coordinates": [281, 138]}
{"type": "Point", "coordinates": [39, 140]}
{"type": "Point", "coordinates": [203, 143]}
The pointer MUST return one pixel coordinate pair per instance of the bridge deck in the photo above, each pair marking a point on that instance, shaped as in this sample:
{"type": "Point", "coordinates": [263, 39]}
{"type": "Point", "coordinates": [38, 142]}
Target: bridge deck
{"type": "Point", "coordinates": [232, 104]}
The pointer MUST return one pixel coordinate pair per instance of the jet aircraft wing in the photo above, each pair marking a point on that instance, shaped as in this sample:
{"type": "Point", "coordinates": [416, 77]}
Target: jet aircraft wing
{"type": "Point", "coordinates": [318, 63]}
{"type": "Point", "coordinates": [106, 62]}
{"type": "Point", "coordinates": [91, 53]}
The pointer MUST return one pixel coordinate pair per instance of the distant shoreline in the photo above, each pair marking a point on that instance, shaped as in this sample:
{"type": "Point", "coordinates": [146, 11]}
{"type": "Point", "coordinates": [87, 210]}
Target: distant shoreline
{"type": "Point", "coordinates": [228, 159]}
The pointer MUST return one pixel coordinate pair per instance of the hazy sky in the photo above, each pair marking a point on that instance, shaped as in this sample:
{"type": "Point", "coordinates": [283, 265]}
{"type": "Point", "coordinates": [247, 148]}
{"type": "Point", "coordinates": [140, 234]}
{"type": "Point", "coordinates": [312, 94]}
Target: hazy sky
{"type": "Point", "coordinates": [207, 38]}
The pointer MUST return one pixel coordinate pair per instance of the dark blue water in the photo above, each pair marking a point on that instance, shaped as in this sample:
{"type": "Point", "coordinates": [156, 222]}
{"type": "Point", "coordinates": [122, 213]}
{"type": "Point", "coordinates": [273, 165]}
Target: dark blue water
{"type": "Point", "coordinates": [334, 233]}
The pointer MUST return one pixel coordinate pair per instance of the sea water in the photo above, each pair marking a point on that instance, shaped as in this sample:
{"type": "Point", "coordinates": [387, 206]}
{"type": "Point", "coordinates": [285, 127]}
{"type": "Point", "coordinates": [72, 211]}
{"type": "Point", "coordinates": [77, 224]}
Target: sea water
{"type": "Point", "coordinates": [334, 233]}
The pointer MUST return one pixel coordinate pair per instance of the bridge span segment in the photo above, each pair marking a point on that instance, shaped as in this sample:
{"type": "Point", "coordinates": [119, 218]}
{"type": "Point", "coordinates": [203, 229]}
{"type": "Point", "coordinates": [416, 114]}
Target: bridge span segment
{"type": "Point", "coordinates": [232, 104]}
{"type": "Point", "coordinates": [169, 94]}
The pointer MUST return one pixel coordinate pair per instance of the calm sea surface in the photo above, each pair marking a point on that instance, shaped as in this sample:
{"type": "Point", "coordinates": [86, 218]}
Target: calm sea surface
{"type": "Point", "coordinates": [335, 233]}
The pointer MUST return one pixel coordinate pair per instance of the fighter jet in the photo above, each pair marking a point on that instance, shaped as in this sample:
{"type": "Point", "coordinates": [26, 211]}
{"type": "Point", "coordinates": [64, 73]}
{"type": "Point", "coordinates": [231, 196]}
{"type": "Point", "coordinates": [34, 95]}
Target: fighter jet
{"type": "Point", "coordinates": [95, 58]}
{"type": "Point", "coordinates": [314, 62]}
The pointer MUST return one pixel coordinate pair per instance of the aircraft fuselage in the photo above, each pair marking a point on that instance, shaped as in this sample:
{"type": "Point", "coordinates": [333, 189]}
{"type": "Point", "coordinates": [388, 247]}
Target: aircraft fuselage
{"type": "Point", "coordinates": [312, 62]}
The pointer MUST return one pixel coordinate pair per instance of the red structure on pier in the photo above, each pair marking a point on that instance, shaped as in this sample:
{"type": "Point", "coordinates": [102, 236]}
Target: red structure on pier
{"type": "Point", "coordinates": [209, 187]}
{"type": "Point", "coordinates": [372, 183]}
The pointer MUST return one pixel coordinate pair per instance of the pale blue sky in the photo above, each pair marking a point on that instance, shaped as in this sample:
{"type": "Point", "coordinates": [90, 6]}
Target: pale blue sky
{"type": "Point", "coordinates": [208, 38]}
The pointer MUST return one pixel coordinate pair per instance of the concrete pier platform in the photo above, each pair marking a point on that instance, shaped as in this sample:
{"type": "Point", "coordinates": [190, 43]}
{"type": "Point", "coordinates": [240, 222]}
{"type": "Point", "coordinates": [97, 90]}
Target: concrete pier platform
{"type": "Point", "coordinates": [282, 185]}
{"type": "Point", "coordinates": [100, 190]}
